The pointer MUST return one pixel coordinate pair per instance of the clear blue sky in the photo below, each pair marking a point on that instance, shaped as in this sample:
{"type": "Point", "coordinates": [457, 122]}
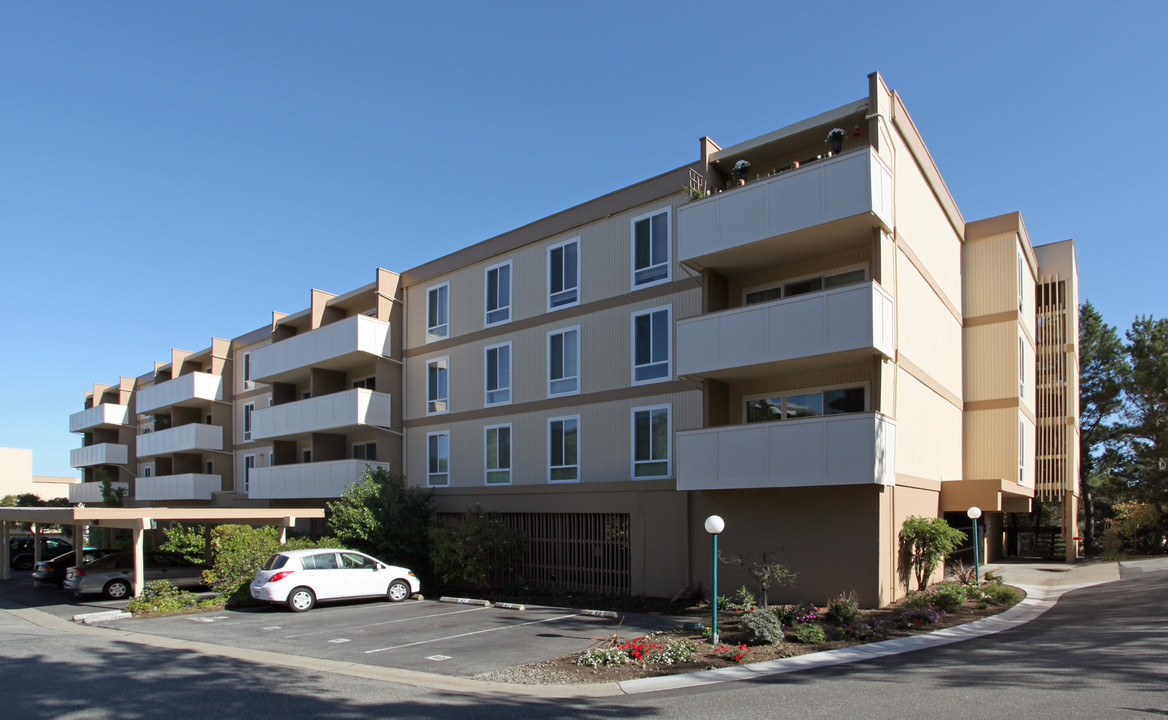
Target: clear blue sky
{"type": "Point", "coordinates": [165, 167]}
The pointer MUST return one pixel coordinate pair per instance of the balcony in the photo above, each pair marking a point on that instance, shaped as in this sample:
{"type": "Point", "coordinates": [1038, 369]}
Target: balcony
{"type": "Point", "coordinates": [342, 412]}
{"type": "Point", "coordinates": [100, 416]}
{"type": "Point", "coordinates": [188, 486]}
{"type": "Point", "coordinates": [793, 214]}
{"type": "Point", "coordinates": [308, 480]}
{"type": "Point", "coordinates": [100, 454]}
{"type": "Point", "coordinates": [194, 437]}
{"type": "Point", "coordinates": [197, 389]}
{"type": "Point", "coordinates": [342, 346]}
{"type": "Point", "coordinates": [848, 322]}
{"type": "Point", "coordinates": [90, 492]}
{"type": "Point", "coordinates": [855, 449]}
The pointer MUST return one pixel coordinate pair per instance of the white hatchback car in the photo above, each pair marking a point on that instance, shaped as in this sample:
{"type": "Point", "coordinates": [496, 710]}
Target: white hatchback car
{"type": "Point", "coordinates": [301, 578]}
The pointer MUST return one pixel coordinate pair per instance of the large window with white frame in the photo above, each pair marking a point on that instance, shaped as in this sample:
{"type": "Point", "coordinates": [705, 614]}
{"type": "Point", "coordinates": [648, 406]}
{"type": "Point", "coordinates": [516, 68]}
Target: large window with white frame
{"type": "Point", "coordinates": [497, 285]}
{"type": "Point", "coordinates": [438, 459]}
{"type": "Point", "coordinates": [1021, 452]}
{"type": "Point", "coordinates": [804, 284]}
{"type": "Point", "coordinates": [651, 248]}
{"type": "Point", "coordinates": [810, 402]}
{"type": "Point", "coordinates": [438, 385]}
{"type": "Point", "coordinates": [564, 449]}
{"type": "Point", "coordinates": [564, 274]}
{"type": "Point", "coordinates": [652, 344]}
{"type": "Point", "coordinates": [438, 312]}
{"type": "Point", "coordinates": [564, 361]}
{"type": "Point", "coordinates": [248, 410]}
{"type": "Point", "coordinates": [652, 440]}
{"type": "Point", "coordinates": [497, 454]}
{"type": "Point", "coordinates": [497, 368]}
{"type": "Point", "coordinates": [1021, 265]}
{"type": "Point", "coordinates": [249, 463]}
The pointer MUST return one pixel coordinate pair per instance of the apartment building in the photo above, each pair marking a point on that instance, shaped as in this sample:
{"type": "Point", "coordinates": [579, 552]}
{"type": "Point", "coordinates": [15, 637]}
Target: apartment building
{"type": "Point", "coordinates": [802, 337]}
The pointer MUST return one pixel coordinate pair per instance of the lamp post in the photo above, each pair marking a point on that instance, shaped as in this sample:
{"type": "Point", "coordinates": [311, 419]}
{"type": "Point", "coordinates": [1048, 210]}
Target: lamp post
{"type": "Point", "coordinates": [715, 525]}
{"type": "Point", "coordinates": [974, 513]}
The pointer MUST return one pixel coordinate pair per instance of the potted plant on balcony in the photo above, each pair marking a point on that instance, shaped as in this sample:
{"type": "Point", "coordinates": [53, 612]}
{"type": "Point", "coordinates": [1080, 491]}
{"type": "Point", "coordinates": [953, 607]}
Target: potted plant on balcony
{"type": "Point", "coordinates": [836, 137]}
{"type": "Point", "coordinates": [741, 168]}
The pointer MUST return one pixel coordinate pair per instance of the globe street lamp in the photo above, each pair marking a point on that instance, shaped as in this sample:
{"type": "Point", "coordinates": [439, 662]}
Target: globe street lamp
{"type": "Point", "coordinates": [974, 513]}
{"type": "Point", "coordinates": [715, 525]}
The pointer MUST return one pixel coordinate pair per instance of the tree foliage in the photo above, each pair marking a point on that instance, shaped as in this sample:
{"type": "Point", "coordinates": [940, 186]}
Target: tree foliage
{"type": "Point", "coordinates": [382, 515]}
{"type": "Point", "coordinates": [1103, 369]}
{"type": "Point", "coordinates": [474, 550]}
{"type": "Point", "coordinates": [1146, 411]}
{"type": "Point", "coordinates": [189, 541]}
{"type": "Point", "coordinates": [924, 543]}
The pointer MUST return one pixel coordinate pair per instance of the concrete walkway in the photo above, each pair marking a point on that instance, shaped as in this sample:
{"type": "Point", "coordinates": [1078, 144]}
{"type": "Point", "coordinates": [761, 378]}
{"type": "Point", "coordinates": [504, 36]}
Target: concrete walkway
{"type": "Point", "coordinates": [1044, 583]}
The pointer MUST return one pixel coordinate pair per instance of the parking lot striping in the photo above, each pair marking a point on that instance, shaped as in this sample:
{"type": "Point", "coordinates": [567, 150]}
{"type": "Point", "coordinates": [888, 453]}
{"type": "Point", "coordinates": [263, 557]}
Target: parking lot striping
{"type": "Point", "coordinates": [467, 634]}
{"type": "Point", "coordinates": [340, 640]}
{"type": "Point", "coordinates": [439, 658]}
{"type": "Point", "coordinates": [384, 622]}
{"type": "Point", "coordinates": [272, 627]}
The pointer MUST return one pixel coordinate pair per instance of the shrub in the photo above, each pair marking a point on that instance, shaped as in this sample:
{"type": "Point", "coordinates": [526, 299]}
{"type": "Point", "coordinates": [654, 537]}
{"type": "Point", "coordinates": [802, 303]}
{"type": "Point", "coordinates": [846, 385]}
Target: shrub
{"type": "Point", "coordinates": [924, 543]}
{"type": "Point", "coordinates": [915, 617]}
{"type": "Point", "coordinates": [947, 597]}
{"type": "Point", "coordinates": [992, 577]}
{"type": "Point", "coordinates": [603, 657]}
{"type": "Point", "coordinates": [238, 551]}
{"type": "Point", "coordinates": [860, 630]}
{"type": "Point", "coordinates": [843, 609]}
{"type": "Point", "coordinates": [744, 597]}
{"type": "Point", "coordinates": [159, 597]}
{"type": "Point", "coordinates": [805, 613]}
{"type": "Point", "coordinates": [918, 600]}
{"type": "Point", "coordinates": [190, 542]}
{"type": "Point", "coordinates": [474, 550]}
{"type": "Point", "coordinates": [809, 633]}
{"type": "Point", "coordinates": [761, 627]}
{"type": "Point", "coordinates": [383, 516]}
{"type": "Point", "coordinates": [673, 652]}
{"type": "Point", "coordinates": [998, 594]}
{"type": "Point", "coordinates": [732, 653]}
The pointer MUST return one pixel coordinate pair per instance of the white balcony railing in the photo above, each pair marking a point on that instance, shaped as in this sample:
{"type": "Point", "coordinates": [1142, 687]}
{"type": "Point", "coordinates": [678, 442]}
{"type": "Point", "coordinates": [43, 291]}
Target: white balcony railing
{"type": "Point", "coordinates": [104, 415]}
{"type": "Point", "coordinates": [345, 411]}
{"type": "Point", "coordinates": [196, 389]}
{"type": "Point", "coordinates": [855, 449]}
{"type": "Point", "coordinates": [343, 345]}
{"type": "Point", "coordinates": [187, 486]}
{"type": "Point", "coordinates": [90, 492]}
{"type": "Point", "coordinates": [100, 454]}
{"type": "Point", "coordinates": [855, 185]}
{"type": "Point", "coordinates": [856, 317]}
{"type": "Point", "coordinates": [193, 437]}
{"type": "Point", "coordinates": [307, 480]}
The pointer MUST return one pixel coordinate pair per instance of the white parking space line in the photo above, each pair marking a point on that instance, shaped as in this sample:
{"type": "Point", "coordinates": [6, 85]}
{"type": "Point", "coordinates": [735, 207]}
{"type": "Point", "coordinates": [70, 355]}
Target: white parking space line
{"type": "Point", "coordinates": [384, 622]}
{"type": "Point", "coordinates": [475, 632]}
{"type": "Point", "coordinates": [340, 640]}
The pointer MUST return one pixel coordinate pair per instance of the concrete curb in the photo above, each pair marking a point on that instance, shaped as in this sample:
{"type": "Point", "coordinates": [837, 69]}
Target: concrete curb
{"type": "Point", "coordinates": [465, 601]}
{"type": "Point", "coordinates": [105, 616]}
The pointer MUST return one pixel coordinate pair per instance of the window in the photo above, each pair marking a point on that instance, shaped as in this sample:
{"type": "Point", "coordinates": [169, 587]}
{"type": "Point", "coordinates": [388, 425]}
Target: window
{"type": "Point", "coordinates": [652, 337]}
{"type": "Point", "coordinates": [437, 386]}
{"type": "Point", "coordinates": [563, 452]}
{"type": "Point", "coordinates": [651, 248]}
{"type": "Point", "coordinates": [564, 362]}
{"type": "Point", "coordinates": [148, 471]}
{"type": "Point", "coordinates": [248, 409]}
{"type": "Point", "coordinates": [497, 453]}
{"type": "Point", "coordinates": [564, 274]}
{"type": "Point", "coordinates": [1021, 365]}
{"type": "Point", "coordinates": [1021, 297]}
{"type": "Point", "coordinates": [209, 467]}
{"type": "Point", "coordinates": [248, 464]}
{"type": "Point", "coordinates": [651, 440]}
{"type": "Point", "coordinates": [206, 419]}
{"type": "Point", "coordinates": [771, 407]}
{"type": "Point", "coordinates": [804, 285]}
{"type": "Point", "coordinates": [498, 294]}
{"type": "Point", "coordinates": [368, 383]}
{"type": "Point", "coordinates": [365, 451]}
{"type": "Point", "coordinates": [306, 456]}
{"type": "Point", "coordinates": [498, 374]}
{"type": "Point", "coordinates": [438, 463]}
{"type": "Point", "coordinates": [247, 383]}
{"type": "Point", "coordinates": [1021, 452]}
{"type": "Point", "coordinates": [438, 312]}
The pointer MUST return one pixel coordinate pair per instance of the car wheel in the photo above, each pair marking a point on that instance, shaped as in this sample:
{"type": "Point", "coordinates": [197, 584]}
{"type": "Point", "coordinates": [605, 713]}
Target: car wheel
{"type": "Point", "coordinates": [398, 590]}
{"type": "Point", "coordinates": [301, 599]}
{"type": "Point", "coordinates": [116, 590]}
{"type": "Point", "coordinates": [22, 563]}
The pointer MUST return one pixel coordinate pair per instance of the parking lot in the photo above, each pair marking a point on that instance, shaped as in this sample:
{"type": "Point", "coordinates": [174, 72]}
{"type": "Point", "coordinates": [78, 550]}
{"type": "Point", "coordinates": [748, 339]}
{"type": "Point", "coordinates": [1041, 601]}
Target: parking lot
{"type": "Point", "coordinates": [422, 635]}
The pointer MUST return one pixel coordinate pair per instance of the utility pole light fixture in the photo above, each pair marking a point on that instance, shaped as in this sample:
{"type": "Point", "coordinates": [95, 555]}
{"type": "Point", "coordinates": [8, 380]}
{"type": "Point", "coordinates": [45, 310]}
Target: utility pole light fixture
{"type": "Point", "coordinates": [714, 526]}
{"type": "Point", "coordinates": [974, 513]}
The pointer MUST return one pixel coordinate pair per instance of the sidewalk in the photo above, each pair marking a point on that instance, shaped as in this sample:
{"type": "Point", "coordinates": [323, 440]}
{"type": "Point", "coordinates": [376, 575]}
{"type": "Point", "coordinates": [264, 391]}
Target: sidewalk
{"type": "Point", "coordinates": [1044, 583]}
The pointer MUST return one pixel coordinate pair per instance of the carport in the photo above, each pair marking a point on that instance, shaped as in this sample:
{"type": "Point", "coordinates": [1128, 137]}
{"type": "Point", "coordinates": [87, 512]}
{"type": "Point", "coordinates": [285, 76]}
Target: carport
{"type": "Point", "coordinates": [138, 520]}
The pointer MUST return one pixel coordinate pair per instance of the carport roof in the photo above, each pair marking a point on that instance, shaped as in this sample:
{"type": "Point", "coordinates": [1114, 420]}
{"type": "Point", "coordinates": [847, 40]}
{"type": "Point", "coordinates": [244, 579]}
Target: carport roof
{"type": "Point", "coordinates": [145, 517]}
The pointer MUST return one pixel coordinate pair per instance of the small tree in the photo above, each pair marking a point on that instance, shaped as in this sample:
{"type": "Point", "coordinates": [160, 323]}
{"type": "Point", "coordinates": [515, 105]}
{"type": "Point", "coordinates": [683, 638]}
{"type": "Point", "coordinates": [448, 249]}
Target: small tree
{"type": "Point", "coordinates": [1136, 521]}
{"type": "Point", "coordinates": [766, 573]}
{"type": "Point", "coordinates": [474, 549]}
{"type": "Point", "coordinates": [110, 496]}
{"type": "Point", "coordinates": [924, 543]}
{"type": "Point", "coordinates": [384, 516]}
{"type": "Point", "coordinates": [190, 542]}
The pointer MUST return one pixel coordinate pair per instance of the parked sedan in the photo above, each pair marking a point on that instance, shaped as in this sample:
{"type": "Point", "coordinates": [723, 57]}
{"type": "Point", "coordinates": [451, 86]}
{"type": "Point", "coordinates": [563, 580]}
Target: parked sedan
{"type": "Point", "coordinates": [20, 550]}
{"type": "Point", "coordinates": [52, 572]}
{"type": "Point", "coordinates": [300, 578]}
{"type": "Point", "coordinates": [113, 575]}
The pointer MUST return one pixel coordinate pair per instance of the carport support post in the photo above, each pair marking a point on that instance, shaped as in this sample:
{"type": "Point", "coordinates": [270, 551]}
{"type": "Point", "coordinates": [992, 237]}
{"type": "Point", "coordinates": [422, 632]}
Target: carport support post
{"type": "Point", "coordinates": [287, 523]}
{"type": "Point", "coordinates": [5, 555]}
{"type": "Point", "coordinates": [139, 565]}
